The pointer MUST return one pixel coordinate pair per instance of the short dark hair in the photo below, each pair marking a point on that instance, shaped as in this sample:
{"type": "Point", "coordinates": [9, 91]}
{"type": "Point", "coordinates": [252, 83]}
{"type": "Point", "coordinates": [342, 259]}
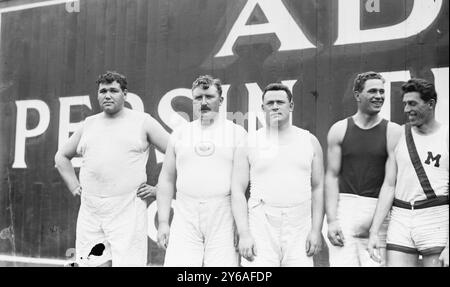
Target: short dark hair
{"type": "Point", "coordinates": [207, 81]}
{"type": "Point", "coordinates": [277, 87]}
{"type": "Point", "coordinates": [362, 78]}
{"type": "Point", "coordinates": [424, 88]}
{"type": "Point", "coordinates": [111, 76]}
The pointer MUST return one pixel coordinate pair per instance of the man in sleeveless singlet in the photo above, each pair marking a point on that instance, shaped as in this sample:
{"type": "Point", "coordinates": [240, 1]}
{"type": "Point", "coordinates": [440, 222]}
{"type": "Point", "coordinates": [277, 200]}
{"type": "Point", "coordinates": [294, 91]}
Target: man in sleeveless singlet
{"type": "Point", "coordinates": [114, 145]}
{"type": "Point", "coordinates": [419, 208]}
{"type": "Point", "coordinates": [282, 221]}
{"type": "Point", "coordinates": [197, 166]}
{"type": "Point", "coordinates": [358, 148]}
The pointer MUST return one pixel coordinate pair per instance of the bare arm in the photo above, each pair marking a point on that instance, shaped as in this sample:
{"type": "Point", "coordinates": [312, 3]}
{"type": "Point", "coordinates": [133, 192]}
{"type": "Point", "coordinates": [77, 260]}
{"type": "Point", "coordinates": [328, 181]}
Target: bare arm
{"type": "Point", "coordinates": [334, 152]}
{"type": "Point", "coordinates": [317, 182]}
{"type": "Point", "coordinates": [386, 196]}
{"type": "Point", "coordinates": [64, 165]}
{"type": "Point", "coordinates": [334, 159]}
{"type": "Point", "coordinates": [314, 241]}
{"type": "Point", "coordinates": [239, 183]}
{"type": "Point", "coordinates": [156, 134]}
{"type": "Point", "coordinates": [165, 193]}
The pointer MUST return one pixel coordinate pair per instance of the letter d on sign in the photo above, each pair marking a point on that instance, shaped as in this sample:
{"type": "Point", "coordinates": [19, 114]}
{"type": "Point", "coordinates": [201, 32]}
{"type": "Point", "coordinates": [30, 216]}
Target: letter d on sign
{"type": "Point", "coordinates": [21, 127]}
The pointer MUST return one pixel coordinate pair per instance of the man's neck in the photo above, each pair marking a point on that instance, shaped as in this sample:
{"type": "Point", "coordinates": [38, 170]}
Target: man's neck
{"type": "Point", "coordinates": [279, 131]}
{"type": "Point", "coordinates": [428, 127]}
{"type": "Point", "coordinates": [116, 115]}
{"type": "Point", "coordinates": [205, 123]}
{"type": "Point", "coordinates": [366, 121]}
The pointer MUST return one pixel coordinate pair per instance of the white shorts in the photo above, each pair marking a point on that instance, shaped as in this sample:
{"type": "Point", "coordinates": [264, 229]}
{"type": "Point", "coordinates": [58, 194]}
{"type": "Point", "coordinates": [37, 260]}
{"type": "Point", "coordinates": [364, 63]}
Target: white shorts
{"type": "Point", "coordinates": [355, 214]}
{"type": "Point", "coordinates": [420, 231]}
{"type": "Point", "coordinates": [119, 223]}
{"type": "Point", "coordinates": [202, 233]}
{"type": "Point", "coordinates": [280, 234]}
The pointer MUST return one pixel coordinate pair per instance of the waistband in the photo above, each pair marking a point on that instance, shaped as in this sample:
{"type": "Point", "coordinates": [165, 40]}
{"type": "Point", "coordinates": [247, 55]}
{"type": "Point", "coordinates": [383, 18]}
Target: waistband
{"type": "Point", "coordinates": [257, 200]}
{"type": "Point", "coordinates": [214, 198]}
{"type": "Point", "coordinates": [426, 203]}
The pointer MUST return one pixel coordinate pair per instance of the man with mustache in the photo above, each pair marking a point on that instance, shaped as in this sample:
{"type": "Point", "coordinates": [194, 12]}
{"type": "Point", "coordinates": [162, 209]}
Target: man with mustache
{"type": "Point", "coordinates": [281, 224]}
{"type": "Point", "coordinates": [198, 165]}
{"type": "Point", "coordinates": [416, 186]}
{"type": "Point", "coordinates": [114, 146]}
{"type": "Point", "coordinates": [358, 149]}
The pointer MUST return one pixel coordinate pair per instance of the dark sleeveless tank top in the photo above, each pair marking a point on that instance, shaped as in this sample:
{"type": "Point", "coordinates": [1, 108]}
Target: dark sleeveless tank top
{"type": "Point", "coordinates": [364, 155]}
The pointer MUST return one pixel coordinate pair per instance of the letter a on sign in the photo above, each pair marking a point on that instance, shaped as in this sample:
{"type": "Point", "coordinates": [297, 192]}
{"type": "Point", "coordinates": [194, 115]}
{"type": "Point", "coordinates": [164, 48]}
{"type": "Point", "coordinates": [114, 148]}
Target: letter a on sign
{"type": "Point", "coordinates": [279, 21]}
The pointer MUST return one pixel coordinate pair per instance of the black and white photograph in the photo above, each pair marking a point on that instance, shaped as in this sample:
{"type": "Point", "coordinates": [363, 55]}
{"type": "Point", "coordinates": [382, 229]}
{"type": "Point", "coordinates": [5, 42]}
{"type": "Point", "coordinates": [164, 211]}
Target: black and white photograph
{"type": "Point", "coordinates": [224, 133]}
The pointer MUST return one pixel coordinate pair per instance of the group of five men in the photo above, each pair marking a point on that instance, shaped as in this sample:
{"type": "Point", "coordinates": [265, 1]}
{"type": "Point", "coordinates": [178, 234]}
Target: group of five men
{"type": "Point", "coordinates": [375, 193]}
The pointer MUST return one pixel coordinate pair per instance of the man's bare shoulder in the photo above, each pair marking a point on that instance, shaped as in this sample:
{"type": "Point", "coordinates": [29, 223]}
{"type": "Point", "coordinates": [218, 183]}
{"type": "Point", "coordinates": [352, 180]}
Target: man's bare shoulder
{"type": "Point", "coordinates": [337, 131]}
{"type": "Point", "coordinates": [394, 132]}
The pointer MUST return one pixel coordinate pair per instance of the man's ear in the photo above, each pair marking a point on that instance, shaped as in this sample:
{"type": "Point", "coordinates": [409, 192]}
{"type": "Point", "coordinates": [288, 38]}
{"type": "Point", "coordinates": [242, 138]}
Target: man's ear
{"type": "Point", "coordinates": [291, 106]}
{"type": "Point", "coordinates": [356, 95]}
{"type": "Point", "coordinates": [432, 103]}
{"type": "Point", "coordinates": [221, 99]}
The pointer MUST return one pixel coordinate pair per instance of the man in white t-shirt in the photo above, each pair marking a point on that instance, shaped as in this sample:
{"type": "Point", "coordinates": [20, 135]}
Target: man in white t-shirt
{"type": "Point", "coordinates": [114, 145]}
{"type": "Point", "coordinates": [198, 165]}
{"type": "Point", "coordinates": [281, 223]}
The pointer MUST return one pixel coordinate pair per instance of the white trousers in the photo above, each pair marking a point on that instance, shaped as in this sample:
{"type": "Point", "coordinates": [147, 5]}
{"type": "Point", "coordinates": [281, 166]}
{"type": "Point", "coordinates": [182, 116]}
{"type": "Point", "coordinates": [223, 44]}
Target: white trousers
{"type": "Point", "coordinates": [355, 214]}
{"type": "Point", "coordinates": [119, 223]}
{"type": "Point", "coordinates": [202, 233]}
{"type": "Point", "coordinates": [280, 234]}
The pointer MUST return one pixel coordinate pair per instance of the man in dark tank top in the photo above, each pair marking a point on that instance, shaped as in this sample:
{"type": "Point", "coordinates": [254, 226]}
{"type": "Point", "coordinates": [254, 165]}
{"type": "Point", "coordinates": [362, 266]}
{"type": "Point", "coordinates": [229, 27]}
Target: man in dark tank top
{"type": "Point", "coordinates": [358, 148]}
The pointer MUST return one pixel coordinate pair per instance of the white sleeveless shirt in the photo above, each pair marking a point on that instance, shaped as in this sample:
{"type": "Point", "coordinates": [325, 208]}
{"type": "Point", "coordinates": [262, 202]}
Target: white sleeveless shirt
{"type": "Point", "coordinates": [434, 155]}
{"type": "Point", "coordinates": [281, 174]}
{"type": "Point", "coordinates": [114, 154]}
{"type": "Point", "coordinates": [204, 157]}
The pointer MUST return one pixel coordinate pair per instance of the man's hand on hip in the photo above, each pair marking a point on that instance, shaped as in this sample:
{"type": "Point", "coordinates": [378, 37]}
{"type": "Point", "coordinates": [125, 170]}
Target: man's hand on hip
{"type": "Point", "coordinates": [146, 191]}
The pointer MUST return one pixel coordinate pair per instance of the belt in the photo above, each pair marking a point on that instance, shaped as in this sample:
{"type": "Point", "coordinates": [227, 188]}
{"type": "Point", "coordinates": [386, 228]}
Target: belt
{"type": "Point", "coordinates": [440, 200]}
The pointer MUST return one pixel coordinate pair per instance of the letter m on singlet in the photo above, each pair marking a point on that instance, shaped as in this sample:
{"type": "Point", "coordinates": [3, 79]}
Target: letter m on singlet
{"type": "Point", "coordinates": [430, 158]}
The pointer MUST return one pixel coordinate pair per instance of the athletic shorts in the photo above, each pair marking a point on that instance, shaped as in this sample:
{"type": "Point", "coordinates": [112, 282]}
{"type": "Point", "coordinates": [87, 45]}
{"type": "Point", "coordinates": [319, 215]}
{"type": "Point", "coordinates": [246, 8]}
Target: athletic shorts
{"type": "Point", "coordinates": [420, 231]}
{"type": "Point", "coordinates": [355, 215]}
{"type": "Point", "coordinates": [202, 233]}
{"type": "Point", "coordinates": [112, 228]}
{"type": "Point", "coordinates": [280, 234]}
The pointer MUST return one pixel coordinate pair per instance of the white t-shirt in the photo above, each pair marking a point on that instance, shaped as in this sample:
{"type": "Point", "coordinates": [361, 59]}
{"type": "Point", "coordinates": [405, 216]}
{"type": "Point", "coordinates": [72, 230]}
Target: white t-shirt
{"type": "Point", "coordinates": [204, 157]}
{"type": "Point", "coordinates": [114, 154]}
{"type": "Point", "coordinates": [433, 153]}
{"type": "Point", "coordinates": [280, 174]}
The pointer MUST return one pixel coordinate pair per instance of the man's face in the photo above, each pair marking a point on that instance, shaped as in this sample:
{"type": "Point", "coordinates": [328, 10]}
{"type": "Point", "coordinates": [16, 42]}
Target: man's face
{"type": "Point", "coordinates": [277, 107]}
{"type": "Point", "coordinates": [206, 102]}
{"type": "Point", "coordinates": [417, 110]}
{"type": "Point", "coordinates": [111, 97]}
{"type": "Point", "coordinates": [371, 98]}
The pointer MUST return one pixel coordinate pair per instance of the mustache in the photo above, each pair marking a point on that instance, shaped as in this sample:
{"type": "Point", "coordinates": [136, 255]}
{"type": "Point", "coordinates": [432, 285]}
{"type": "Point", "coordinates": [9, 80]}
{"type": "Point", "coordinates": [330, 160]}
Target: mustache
{"type": "Point", "coordinates": [205, 108]}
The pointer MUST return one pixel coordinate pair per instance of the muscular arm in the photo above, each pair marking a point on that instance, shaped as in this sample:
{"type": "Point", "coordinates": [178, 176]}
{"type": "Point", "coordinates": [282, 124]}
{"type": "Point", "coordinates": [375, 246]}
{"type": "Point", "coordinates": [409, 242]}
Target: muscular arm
{"type": "Point", "coordinates": [386, 196]}
{"type": "Point", "coordinates": [317, 184]}
{"type": "Point", "coordinates": [239, 183]}
{"type": "Point", "coordinates": [64, 165]}
{"type": "Point", "coordinates": [314, 240]}
{"type": "Point", "coordinates": [165, 193]}
{"type": "Point", "coordinates": [156, 134]}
